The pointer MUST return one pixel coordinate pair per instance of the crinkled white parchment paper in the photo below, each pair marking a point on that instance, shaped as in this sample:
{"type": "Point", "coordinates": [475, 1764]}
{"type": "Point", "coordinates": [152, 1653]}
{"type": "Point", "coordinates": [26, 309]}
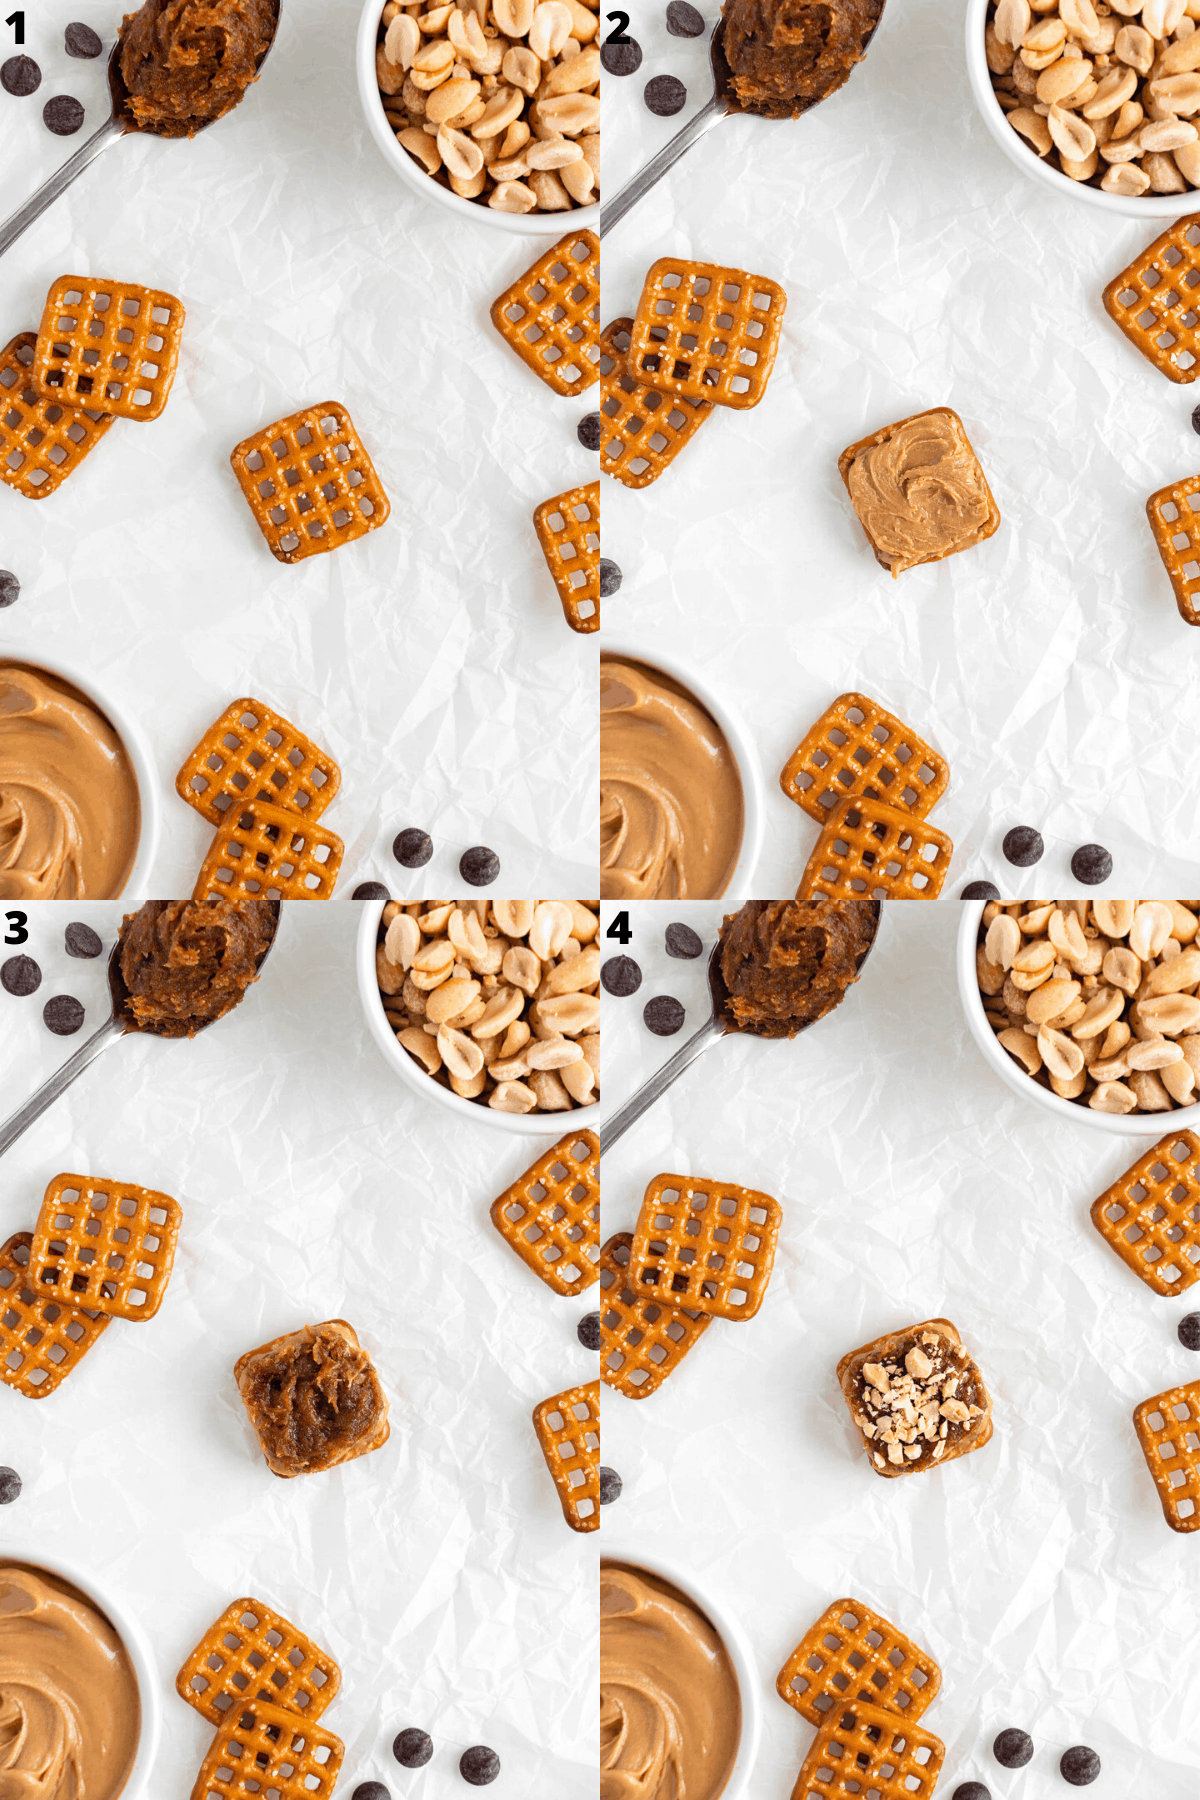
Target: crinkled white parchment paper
{"type": "Point", "coordinates": [1038, 1571]}
{"type": "Point", "coordinates": [1049, 665]}
{"type": "Point", "coordinates": [438, 1570]}
{"type": "Point", "coordinates": [431, 657]}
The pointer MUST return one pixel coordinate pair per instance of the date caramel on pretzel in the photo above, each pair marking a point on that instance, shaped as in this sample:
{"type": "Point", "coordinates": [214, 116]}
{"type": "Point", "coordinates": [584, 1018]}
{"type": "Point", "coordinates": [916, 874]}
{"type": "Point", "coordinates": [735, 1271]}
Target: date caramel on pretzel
{"type": "Point", "coordinates": [313, 1398]}
{"type": "Point", "coordinates": [917, 1398]}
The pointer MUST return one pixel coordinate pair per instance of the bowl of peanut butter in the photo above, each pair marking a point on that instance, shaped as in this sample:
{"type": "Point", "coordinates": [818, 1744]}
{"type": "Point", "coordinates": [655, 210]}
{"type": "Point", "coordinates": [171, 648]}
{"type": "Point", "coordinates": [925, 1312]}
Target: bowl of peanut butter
{"type": "Point", "coordinates": [680, 793]}
{"type": "Point", "coordinates": [679, 1707]}
{"type": "Point", "coordinates": [79, 813]}
{"type": "Point", "coordinates": [79, 1708]}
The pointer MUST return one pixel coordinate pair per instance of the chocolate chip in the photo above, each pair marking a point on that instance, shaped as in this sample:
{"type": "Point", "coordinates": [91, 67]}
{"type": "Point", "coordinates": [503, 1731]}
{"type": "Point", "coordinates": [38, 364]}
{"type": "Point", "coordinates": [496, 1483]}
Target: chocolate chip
{"type": "Point", "coordinates": [1013, 1748]}
{"type": "Point", "coordinates": [63, 115]}
{"type": "Point", "coordinates": [1091, 864]}
{"type": "Point", "coordinates": [10, 1486]}
{"type": "Point", "coordinates": [1189, 1331]}
{"type": "Point", "coordinates": [1196, 419]}
{"type": "Point", "coordinates": [81, 940]}
{"type": "Point", "coordinates": [683, 941]}
{"type": "Point", "coordinates": [20, 975]}
{"type": "Point", "coordinates": [620, 976]}
{"type": "Point", "coordinates": [1023, 846]}
{"type": "Point", "coordinates": [980, 890]}
{"type": "Point", "coordinates": [413, 1748]}
{"type": "Point", "coordinates": [63, 1015]}
{"type": "Point", "coordinates": [683, 20]}
{"type": "Point", "coordinates": [664, 96]}
{"type": "Point", "coordinates": [610, 577]}
{"type": "Point", "coordinates": [663, 1015]}
{"type": "Point", "coordinates": [479, 1765]}
{"type": "Point", "coordinates": [371, 1790]}
{"type": "Point", "coordinates": [1080, 1766]}
{"type": "Point", "coordinates": [20, 75]}
{"type": "Point", "coordinates": [370, 890]}
{"type": "Point", "coordinates": [621, 59]}
{"type": "Point", "coordinates": [971, 1790]}
{"type": "Point", "coordinates": [81, 40]}
{"type": "Point", "coordinates": [10, 587]}
{"type": "Point", "coordinates": [479, 866]}
{"type": "Point", "coordinates": [610, 1486]}
{"type": "Point", "coordinates": [412, 848]}
{"type": "Point", "coordinates": [588, 1331]}
{"type": "Point", "coordinates": [589, 431]}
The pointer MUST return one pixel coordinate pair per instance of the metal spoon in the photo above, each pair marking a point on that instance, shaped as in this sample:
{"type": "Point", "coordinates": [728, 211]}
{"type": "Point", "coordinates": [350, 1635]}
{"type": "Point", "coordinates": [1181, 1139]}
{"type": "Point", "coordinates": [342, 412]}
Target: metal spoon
{"type": "Point", "coordinates": [119, 123]}
{"type": "Point", "coordinates": [119, 1024]}
{"type": "Point", "coordinates": [720, 104]}
{"type": "Point", "coordinates": [720, 1023]}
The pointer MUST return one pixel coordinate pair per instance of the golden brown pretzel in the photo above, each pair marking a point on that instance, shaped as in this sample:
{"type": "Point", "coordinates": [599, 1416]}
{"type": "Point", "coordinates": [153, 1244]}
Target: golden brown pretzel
{"type": "Point", "coordinates": [253, 753]}
{"type": "Point", "coordinates": [643, 430]}
{"type": "Point", "coordinates": [1151, 1215]}
{"type": "Point", "coordinates": [642, 1341]}
{"type": "Point", "coordinates": [568, 529]}
{"type": "Point", "coordinates": [108, 344]}
{"type": "Point", "coordinates": [41, 1340]}
{"type": "Point", "coordinates": [550, 315]}
{"type": "Point", "coordinates": [107, 1245]}
{"type": "Point", "coordinates": [309, 482]}
{"type": "Point", "coordinates": [706, 332]}
{"type": "Point", "coordinates": [1154, 300]}
{"type": "Point", "coordinates": [254, 1653]}
{"type": "Point", "coordinates": [852, 1653]}
{"type": "Point", "coordinates": [568, 1430]}
{"type": "Point", "coordinates": [858, 748]}
{"type": "Point", "coordinates": [705, 1244]}
{"type": "Point", "coordinates": [1168, 1429]}
{"type": "Point", "coordinates": [872, 851]}
{"type": "Point", "coordinates": [558, 1200]}
{"type": "Point", "coordinates": [41, 441]}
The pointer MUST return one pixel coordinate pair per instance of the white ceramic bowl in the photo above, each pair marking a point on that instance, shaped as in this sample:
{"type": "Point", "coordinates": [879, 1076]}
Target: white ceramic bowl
{"type": "Point", "coordinates": [131, 735]}
{"type": "Point", "coordinates": [534, 224]}
{"type": "Point", "coordinates": [731, 1635]}
{"type": "Point", "coordinates": [1142, 1125]}
{"type": "Point", "coordinates": [1014, 146]}
{"type": "Point", "coordinates": [548, 1126]}
{"type": "Point", "coordinates": [741, 881]}
{"type": "Point", "coordinates": [134, 1640]}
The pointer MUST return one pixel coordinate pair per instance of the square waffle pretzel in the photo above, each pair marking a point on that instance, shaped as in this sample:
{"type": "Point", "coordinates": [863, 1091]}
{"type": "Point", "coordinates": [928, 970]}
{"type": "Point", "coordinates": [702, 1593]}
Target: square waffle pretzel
{"type": "Point", "coordinates": [701, 332]}
{"type": "Point", "coordinates": [874, 851]}
{"type": "Point", "coordinates": [896, 565]}
{"type": "Point", "coordinates": [644, 430]}
{"type": "Point", "coordinates": [41, 441]}
{"type": "Point", "coordinates": [641, 1341]}
{"type": "Point", "coordinates": [971, 1436]}
{"type": "Point", "coordinates": [1151, 1215]}
{"type": "Point", "coordinates": [572, 551]}
{"type": "Point", "coordinates": [864, 1751]}
{"type": "Point", "coordinates": [558, 1199]}
{"type": "Point", "coordinates": [253, 752]}
{"type": "Point", "coordinates": [572, 1451]}
{"type": "Point", "coordinates": [307, 480]}
{"type": "Point", "coordinates": [41, 1340]}
{"type": "Point", "coordinates": [253, 1653]}
{"type": "Point", "coordinates": [852, 1653]}
{"type": "Point", "coordinates": [112, 344]}
{"type": "Point", "coordinates": [270, 1754]}
{"type": "Point", "coordinates": [261, 849]}
{"type": "Point", "coordinates": [697, 1243]}
{"type": "Point", "coordinates": [550, 315]}
{"type": "Point", "coordinates": [99, 1243]}
{"type": "Point", "coordinates": [858, 747]}
{"type": "Point", "coordinates": [1174, 515]}
{"type": "Point", "coordinates": [1172, 1452]}
{"type": "Point", "coordinates": [1154, 301]}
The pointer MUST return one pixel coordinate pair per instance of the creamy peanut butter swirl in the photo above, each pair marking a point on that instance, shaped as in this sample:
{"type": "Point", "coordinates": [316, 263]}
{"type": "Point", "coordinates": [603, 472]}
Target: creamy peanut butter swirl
{"type": "Point", "coordinates": [921, 494]}
{"type": "Point", "coordinates": [70, 1712]}
{"type": "Point", "coordinates": [670, 792]}
{"type": "Point", "coordinates": [70, 815]}
{"type": "Point", "coordinates": [670, 1709]}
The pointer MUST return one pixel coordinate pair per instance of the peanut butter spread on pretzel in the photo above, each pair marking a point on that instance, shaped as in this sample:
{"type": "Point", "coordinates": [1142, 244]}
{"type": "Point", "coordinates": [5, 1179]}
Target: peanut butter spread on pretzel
{"type": "Point", "coordinates": [785, 55]}
{"type": "Point", "coordinates": [186, 963]}
{"type": "Point", "coordinates": [920, 492]}
{"type": "Point", "coordinates": [70, 1712]}
{"type": "Point", "coordinates": [670, 792]}
{"type": "Point", "coordinates": [187, 62]}
{"type": "Point", "coordinates": [670, 1709]}
{"type": "Point", "coordinates": [786, 963]}
{"type": "Point", "coordinates": [70, 815]}
{"type": "Point", "coordinates": [313, 1398]}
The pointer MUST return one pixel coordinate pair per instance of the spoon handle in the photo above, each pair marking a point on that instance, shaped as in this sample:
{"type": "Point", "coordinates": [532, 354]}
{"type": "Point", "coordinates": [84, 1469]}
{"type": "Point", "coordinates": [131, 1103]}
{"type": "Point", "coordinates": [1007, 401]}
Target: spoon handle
{"type": "Point", "coordinates": [49, 191]}
{"type": "Point", "coordinates": [658, 1083]}
{"type": "Point", "coordinates": [614, 210]}
{"type": "Point", "coordinates": [58, 1083]}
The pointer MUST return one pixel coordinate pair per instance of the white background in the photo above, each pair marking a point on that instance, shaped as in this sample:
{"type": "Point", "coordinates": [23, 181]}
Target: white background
{"type": "Point", "coordinates": [431, 657]}
{"type": "Point", "coordinates": [1039, 1571]}
{"type": "Point", "coordinates": [1049, 665]}
{"type": "Point", "coordinates": [438, 1571]}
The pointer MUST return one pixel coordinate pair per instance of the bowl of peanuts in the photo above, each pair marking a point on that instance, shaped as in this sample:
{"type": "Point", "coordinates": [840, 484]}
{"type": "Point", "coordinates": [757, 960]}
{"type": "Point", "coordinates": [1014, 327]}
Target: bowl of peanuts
{"type": "Point", "coordinates": [1089, 1007]}
{"type": "Point", "coordinates": [490, 1007]}
{"type": "Point", "coordinates": [489, 107]}
{"type": "Point", "coordinates": [1095, 98]}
